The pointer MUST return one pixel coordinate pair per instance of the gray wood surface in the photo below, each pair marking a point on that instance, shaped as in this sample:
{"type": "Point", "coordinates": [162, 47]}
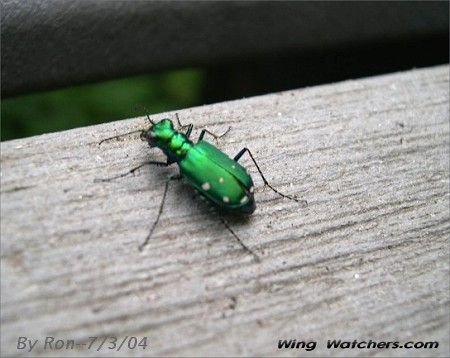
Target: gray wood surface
{"type": "Point", "coordinates": [368, 258]}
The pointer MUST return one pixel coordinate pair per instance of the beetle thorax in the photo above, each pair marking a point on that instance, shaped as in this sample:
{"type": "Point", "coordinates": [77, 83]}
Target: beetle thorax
{"type": "Point", "coordinates": [179, 145]}
{"type": "Point", "coordinates": [171, 142]}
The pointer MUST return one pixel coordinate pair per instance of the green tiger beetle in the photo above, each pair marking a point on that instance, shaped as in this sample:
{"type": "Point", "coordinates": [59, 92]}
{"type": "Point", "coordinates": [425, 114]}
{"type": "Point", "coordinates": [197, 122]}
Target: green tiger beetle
{"type": "Point", "coordinates": [217, 177]}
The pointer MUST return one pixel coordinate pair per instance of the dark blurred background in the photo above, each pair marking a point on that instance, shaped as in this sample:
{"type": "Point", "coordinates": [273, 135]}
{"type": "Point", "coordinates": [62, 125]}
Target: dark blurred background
{"type": "Point", "coordinates": [67, 64]}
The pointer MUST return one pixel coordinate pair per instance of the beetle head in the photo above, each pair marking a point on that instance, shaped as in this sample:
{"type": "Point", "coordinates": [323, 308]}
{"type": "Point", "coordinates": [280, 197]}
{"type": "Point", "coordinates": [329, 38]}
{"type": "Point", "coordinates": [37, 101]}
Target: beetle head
{"type": "Point", "coordinates": [158, 133]}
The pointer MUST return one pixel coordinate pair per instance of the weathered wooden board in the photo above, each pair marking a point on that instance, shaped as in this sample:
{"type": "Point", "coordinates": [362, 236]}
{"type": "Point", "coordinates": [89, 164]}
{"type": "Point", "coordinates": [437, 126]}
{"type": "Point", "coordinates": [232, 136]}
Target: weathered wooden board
{"type": "Point", "coordinates": [368, 258]}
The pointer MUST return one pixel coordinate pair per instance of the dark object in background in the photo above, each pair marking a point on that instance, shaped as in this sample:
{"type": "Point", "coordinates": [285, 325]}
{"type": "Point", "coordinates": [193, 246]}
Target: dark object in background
{"type": "Point", "coordinates": [238, 49]}
{"type": "Point", "coordinates": [287, 71]}
{"type": "Point", "coordinates": [48, 44]}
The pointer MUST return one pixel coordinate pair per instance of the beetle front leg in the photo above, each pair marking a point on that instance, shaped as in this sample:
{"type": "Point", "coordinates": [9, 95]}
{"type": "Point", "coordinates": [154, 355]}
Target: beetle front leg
{"type": "Point", "coordinates": [202, 134]}
{"type": "Point", "coordinates": [189, 126]}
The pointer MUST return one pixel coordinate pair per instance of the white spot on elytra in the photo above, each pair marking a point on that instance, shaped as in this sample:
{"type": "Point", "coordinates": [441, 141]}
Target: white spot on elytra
{"type": "Point", "coordinates": [252, 189]}
{"type": "Point", "coordinates": [233, 166]}
{"type": "Point", "coordinates": [221, 180]}
{"type": "Point", "coordinates": [206, 186]}
{"type": "Point", "coordinates": [244, 199]}
{"type": "Point", "coordinates": [226, 199]}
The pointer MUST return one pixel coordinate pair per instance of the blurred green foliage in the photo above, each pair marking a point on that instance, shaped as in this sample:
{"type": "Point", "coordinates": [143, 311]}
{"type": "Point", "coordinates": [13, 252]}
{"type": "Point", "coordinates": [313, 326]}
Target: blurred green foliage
{"type": "Point", "coordinates": [91, 104]}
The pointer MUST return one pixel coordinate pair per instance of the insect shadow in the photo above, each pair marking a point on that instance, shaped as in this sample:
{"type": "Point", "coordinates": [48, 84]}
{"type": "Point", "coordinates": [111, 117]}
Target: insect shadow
{"type": "Point", "coordinates": [222, 180]}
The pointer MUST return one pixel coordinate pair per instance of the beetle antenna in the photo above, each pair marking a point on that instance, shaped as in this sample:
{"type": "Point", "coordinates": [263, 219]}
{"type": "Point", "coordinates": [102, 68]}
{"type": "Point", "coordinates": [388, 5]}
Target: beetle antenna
{"type": "Point", "coordinates": [146, 112]}
{"type": "Point", "coordinates": [148, 116]}
{"type": "Point", "coordinates": [149, 119]}
{"type": "Point", "coordinates": [120, 135]}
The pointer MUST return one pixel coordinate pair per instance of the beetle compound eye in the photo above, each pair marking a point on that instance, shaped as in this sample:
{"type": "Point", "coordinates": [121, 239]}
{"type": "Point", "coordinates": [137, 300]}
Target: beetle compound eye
{"type": "Point", "coordinates": [148, 136]}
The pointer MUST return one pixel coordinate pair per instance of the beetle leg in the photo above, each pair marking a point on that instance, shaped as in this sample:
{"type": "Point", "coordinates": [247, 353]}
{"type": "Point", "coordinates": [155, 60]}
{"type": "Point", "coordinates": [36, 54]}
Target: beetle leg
{"type": "Point", "coordinates": [202, 134]}
{"type": "Point", "coordinates": [189, 126]}
{"type": "Point", "coordinates": [242, 152]}
{"type": "Point", "coordinates": [131, 171]}
{"type": "Point", "coordinates": [245, 247]}
{"type": "Point", "coordinates": [189, 130]}
{"type": "Point", "coordinates": [179, 122]}
{"type": "Point", "coordinates": [161, 206]}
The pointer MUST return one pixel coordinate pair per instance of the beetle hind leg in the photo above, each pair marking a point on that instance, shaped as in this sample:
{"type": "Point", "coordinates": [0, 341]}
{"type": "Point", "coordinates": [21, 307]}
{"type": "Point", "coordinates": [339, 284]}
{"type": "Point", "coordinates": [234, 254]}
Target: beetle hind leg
{"type": "Point", "coordinates": [266, 183]}
{"type": "Point", "coordinates": [245, 247]}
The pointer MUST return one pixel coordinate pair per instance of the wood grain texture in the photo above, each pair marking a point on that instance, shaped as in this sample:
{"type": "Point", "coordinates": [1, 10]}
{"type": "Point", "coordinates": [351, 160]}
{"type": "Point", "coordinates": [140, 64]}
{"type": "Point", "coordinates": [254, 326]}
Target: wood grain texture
{"type": "Point", "coordinates": [368, 258]}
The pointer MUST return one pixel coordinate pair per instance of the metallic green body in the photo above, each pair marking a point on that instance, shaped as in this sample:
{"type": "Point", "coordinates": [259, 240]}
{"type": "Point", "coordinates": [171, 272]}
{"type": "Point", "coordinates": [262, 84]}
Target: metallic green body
{"type": "Point", "coordinates": [210, 171]}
